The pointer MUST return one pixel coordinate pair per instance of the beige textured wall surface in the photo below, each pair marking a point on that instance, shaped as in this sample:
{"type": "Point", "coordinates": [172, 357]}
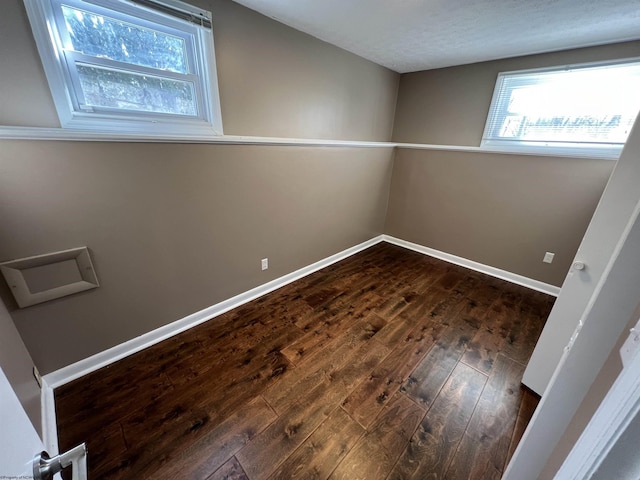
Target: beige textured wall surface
{"type": "Point", "coordinates": [449, 106]}
{"type": "Point", "coordinates": [505, 211]}
{"type": "Point", "coordinates": [273, 80]}
{"type": "Point", "coordinates": [25, 99]}
{"type": "Point", "coordinates": [276, 81]}
{"type": "Point", "coordinates": [16, 363]}
{"type": "Point", "coordinates": [174, 228]}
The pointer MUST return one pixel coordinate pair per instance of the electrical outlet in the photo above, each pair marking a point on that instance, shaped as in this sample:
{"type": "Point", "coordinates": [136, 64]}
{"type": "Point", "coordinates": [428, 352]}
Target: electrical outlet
{"type": "Point", "coordinates": [548, 257]}
{"type": "Point", "coordinates": [265, 263]}
{"type": "Point", "coordinates": [36, 375]}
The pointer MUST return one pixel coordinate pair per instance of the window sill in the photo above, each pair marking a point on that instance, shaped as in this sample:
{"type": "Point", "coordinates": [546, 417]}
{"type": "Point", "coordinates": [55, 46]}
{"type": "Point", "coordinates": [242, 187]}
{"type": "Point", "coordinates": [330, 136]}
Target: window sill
{"type": "Point", "coordinates": [540, 152]}
{"type": "Point", "coordinates": [558, 150]}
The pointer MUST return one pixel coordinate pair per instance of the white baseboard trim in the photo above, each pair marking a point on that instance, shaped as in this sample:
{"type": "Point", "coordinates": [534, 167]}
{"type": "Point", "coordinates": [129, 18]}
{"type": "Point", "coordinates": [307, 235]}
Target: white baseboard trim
{"type": "Point", "coordinates": [76, 370]}
{"type": "Point", "coordinates": [478, 267]}
{"type": "Point", "coordinates": [49, 424]}
{"type": "Point", "coordinates": [66, 374]}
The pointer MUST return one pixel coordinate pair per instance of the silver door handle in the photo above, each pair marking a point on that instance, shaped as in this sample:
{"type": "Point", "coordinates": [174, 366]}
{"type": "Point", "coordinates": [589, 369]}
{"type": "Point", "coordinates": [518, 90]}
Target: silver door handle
{"type": "Point", "coordinates": [45, 467]}
{"type": "Point", "coordinates": [579, 265]}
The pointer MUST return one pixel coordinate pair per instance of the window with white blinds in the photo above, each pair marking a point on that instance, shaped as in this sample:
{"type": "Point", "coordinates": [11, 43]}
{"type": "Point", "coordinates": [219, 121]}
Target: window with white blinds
{"type": "Point", "coordinates": [134, 67]}
{"type": "Point", "coordinates": [585, 110]}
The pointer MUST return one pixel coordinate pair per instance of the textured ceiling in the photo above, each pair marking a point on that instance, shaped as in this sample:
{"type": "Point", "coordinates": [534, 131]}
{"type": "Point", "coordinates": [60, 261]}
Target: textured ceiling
{"type": "Point", "coordinates": [412, 35]}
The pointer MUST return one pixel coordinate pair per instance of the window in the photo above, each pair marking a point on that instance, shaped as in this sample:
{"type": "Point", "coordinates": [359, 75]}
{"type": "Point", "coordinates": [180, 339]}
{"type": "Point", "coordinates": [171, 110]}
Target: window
{"type": "Point", "coordinates": [137, 66]}
{"type": "Point", "coordinates": [587, 110]}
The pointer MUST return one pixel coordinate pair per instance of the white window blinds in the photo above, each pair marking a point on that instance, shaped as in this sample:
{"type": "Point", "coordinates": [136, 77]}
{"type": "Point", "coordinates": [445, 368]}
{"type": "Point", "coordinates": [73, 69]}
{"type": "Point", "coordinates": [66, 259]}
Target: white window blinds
{"type": "Point", "coordinates": [588, 108]}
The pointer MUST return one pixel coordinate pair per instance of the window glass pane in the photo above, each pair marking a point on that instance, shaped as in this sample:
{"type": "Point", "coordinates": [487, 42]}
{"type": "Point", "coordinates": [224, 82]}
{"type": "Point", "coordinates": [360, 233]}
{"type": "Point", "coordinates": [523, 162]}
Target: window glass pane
{"type": "Point", "coordinates": [580, 106]}
{"type": "Point", "coordinates": [592, 105]}
{"type": "Point", "coordinates": [104, 87]}
{"type": "Point", "coordinates": [105, 37]}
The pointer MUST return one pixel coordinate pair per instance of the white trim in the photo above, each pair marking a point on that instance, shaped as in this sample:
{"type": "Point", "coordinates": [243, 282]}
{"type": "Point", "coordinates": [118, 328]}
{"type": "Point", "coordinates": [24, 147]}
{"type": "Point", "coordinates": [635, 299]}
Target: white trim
{"type": "Point", "coordinates": [622, 402]}
{"type": "Point", "coordinates": [543, 152]}
{"type": "Point", "coordinates": [49, 424]}
{"type": "Point", "coordinates": [41, 133]}
{"type": "Point", "coordinates": [78, 369]}
{"type": "Point", "coordinates": [83, 367]}
{"type": "Point", "coordinates": [53, 133]}
{"type": "Point", "coordinates": [37, 12]}
{"type": "Point", "coordinates": [59, 63]}
{"type": "Point", "coordinates": [607, 426]}
{"type": "Point", "coordinates": [478, 267]}
{"type": "Point", "coordinates": [603, 320]}
{"type": "Point", "coordinates": [600, 151]}
{"type": "Point", "coordinates": [492, 140]}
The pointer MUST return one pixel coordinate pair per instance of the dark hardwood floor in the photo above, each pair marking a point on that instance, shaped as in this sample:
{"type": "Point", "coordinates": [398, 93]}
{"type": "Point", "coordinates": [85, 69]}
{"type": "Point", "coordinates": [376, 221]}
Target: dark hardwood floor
{"type": "Point", "coordinates": [387, 365]}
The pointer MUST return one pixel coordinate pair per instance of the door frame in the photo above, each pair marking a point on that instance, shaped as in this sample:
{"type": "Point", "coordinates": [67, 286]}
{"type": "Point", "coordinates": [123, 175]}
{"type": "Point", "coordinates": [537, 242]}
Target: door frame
{"type": "Point", "coordinates": [607, 314]}
{"type": "Point", "coordinates": [610, 422]}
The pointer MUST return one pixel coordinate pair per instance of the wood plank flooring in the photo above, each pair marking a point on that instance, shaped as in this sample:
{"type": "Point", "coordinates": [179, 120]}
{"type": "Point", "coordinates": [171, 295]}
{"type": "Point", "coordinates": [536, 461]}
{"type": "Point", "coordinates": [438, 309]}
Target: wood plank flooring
{"type": "Point", "coordinates": [386, 365]}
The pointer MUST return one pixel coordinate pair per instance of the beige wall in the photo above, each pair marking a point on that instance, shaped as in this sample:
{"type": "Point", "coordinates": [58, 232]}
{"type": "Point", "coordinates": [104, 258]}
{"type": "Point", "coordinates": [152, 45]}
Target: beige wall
{"type": "Point", "coordinates": [505, 211]}
{"type": "Point", "coordinates": [274, 81]}
{"type": "Point", "coordinates": [502, 210]}
{"type": "Point", "coordinates": [449, 106]}
{"type": "Point", "coordinates": [16, 363]}
{"type": "Point", "coordinates": [25, 99]}
{"type": "Point", "coordinates": [174, 228]}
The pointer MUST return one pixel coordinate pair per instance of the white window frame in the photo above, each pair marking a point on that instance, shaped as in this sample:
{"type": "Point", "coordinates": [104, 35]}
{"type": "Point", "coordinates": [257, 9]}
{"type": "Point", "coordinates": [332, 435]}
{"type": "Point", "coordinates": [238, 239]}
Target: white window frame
{"type": "Point", "coordinates": [59, 65]}
{"type": "Point", "coordinates": [610, 151]}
